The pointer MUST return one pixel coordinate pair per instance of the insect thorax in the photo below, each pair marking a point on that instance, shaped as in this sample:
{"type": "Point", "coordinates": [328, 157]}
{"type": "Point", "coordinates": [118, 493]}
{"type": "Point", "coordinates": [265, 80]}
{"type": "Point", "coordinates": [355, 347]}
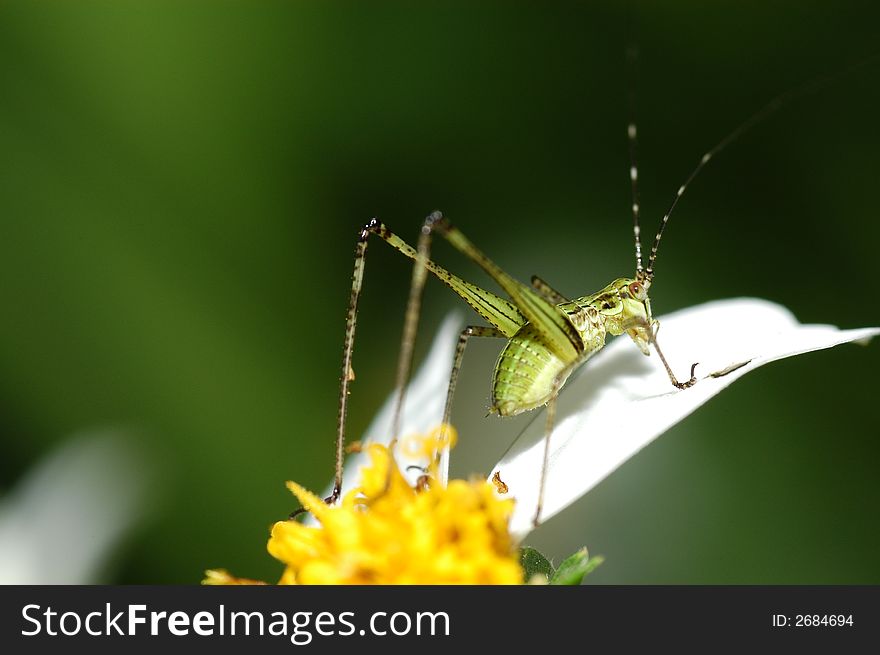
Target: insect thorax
{"type": "Point", "coordinates": [622, 306]}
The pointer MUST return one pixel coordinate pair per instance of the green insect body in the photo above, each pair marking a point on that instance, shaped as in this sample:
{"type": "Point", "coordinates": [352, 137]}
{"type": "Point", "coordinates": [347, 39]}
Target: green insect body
{"type": "Point", "coordinates": [548, 335]}
{"type": "Point", "coordinates": [528, 371]}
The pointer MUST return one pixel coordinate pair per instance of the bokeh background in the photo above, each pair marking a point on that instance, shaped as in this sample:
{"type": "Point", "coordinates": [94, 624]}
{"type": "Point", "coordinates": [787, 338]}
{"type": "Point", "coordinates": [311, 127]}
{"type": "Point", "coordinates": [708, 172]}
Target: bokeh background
{"type": "Point", "coordinates": [180, 188]}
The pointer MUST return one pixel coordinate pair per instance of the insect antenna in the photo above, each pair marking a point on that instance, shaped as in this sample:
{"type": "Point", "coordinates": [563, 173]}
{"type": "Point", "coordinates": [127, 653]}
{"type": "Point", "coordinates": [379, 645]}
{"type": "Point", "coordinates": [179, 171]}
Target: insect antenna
{"type": "Point", "coordinates": [767, 110]}
{"type": "Point", "coordinates": [632, 55]}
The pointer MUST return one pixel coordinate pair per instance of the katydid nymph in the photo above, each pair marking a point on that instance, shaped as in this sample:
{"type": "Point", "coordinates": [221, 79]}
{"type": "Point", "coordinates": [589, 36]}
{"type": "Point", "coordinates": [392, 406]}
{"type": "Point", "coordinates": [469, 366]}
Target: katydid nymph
{"type": "Point", "coordinates": [548, 334]}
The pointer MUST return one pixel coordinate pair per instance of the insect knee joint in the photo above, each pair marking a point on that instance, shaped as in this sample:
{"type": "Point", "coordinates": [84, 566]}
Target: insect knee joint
{"type": "Point", "coordinates": [374, 226]}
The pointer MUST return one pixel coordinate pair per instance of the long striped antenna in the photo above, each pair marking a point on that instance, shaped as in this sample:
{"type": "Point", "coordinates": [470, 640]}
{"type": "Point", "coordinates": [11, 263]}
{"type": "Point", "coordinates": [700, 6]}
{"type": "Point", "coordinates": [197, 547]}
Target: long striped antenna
{"type": "Point", "coordinates": [765, 111]}
{"type": "Point", "coordinates": [632, 55]}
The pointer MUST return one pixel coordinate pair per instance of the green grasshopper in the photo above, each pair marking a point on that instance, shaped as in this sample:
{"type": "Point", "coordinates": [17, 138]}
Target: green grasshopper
{"type": "Point", "coordinates": [548, 335]}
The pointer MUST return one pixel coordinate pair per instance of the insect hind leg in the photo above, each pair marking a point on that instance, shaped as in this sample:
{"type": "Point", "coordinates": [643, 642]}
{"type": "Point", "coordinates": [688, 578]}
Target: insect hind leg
{"type": "Point", "coordinates": [549, 293]}
{"type": "Point", "coordinates": [420, 255]}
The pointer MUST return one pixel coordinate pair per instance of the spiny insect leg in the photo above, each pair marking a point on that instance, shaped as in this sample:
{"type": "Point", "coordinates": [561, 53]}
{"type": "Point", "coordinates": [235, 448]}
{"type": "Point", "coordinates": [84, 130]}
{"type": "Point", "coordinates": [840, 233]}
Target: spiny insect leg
{"type": "Point", "coordinates": [357, 280]}
{"type": "Point", "coordinates": [558, 333]}
{"type": "Point", "coordinates": [504, 315]}
{"type": "Point", "coordinates": [501, 313]}
{"type": "Point", "coordinates": [548, 431]}
{"type": "Point", "coordinates": [675, 383]}
{"type": "Point", "coordinates": [467, 333]}
{"type": "Point", "coordinates": [410, 326]}
{"type": "Point", "coordinates": [547, 291]}
{"type": "Point", "coordinates": [407, 341]}
{"type": "Point", "coordinates": [410, 323]}
{"type": "Point", "coordinates": [492, 307]}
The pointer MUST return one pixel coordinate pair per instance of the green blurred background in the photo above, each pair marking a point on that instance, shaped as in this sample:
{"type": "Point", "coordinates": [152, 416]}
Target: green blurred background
{"type": "Point", "coordinates": [180, 188]}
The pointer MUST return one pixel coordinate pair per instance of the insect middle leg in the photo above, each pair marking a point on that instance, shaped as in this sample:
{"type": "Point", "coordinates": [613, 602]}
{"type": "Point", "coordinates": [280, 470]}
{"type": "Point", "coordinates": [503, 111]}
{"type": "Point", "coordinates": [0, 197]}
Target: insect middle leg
{"type": "Point", "coordinates": [466, 334]}
{"type": "Point", "coordinates": [549, 423]}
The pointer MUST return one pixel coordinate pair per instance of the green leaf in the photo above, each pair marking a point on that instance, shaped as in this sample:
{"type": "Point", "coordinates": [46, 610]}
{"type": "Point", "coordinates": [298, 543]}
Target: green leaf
{"type": "Point", "coordinates": [534, 563]}
{"type": "Point", "coordinates": [574, 568]}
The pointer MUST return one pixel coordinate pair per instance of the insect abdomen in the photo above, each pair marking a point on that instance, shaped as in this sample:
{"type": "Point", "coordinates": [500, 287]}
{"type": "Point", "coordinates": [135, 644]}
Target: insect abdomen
{"type": "Point", "coordinates": [524, 374]}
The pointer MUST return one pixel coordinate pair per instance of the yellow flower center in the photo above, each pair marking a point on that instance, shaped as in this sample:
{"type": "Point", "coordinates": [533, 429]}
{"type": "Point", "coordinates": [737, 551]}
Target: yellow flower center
{"type": "Point", "coordinates": [386, 532]}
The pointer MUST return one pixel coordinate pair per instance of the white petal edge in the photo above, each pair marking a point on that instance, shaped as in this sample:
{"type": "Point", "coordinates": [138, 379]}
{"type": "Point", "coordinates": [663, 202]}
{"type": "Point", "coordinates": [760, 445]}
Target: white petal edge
{"type": "Point", "coordinates": [62, 521]}
{"type": "Point", "coordinates": [590, 440]}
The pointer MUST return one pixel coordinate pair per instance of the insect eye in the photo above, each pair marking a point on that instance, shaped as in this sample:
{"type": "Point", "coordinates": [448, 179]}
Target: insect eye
{"type": "Point", "coordinates": [638, 290]}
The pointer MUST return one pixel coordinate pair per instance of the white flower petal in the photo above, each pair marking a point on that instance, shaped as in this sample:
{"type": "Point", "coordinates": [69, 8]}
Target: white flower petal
{"type": "Point", "coordinates": [591, 438]}
{"type": "Point", "coordinates": [60, 524]}
{"type": "Point", "coordinates": [728, 338]}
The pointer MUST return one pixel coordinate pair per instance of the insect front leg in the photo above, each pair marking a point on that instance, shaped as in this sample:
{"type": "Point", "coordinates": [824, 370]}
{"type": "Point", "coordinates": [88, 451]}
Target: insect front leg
{"type": "Point", "coordinates": [655, 327]}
